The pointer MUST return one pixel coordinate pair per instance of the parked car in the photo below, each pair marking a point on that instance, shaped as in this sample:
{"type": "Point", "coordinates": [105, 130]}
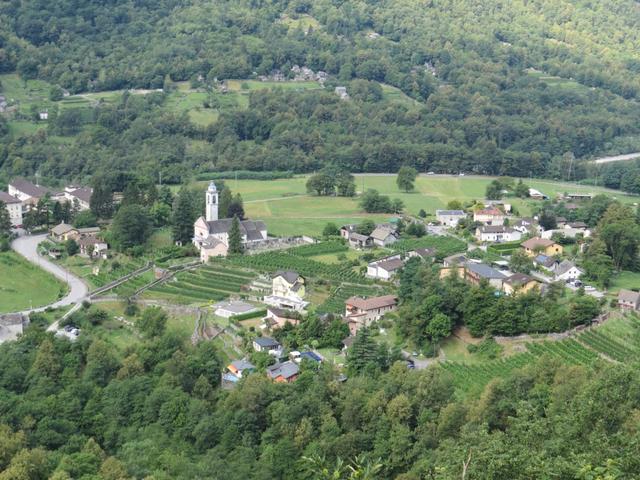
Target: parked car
{"type": "Point", "coordinates": [430, 173]}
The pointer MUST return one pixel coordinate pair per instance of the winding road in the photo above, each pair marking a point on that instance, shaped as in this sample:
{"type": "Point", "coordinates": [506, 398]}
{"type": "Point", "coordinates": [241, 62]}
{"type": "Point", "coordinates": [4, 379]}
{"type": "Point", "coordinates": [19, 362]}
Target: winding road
{"type": "Point", "coordinates": [27, 246]}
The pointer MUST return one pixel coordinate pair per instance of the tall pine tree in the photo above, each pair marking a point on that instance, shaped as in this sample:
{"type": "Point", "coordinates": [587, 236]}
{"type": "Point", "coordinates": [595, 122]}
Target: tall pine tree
{"type": "Point", "coordinates": [225, 200]}
{"type": "Point", "coordinates": [101, 202]}
{"type": "Point", "coordinates": [363, 352]}
{"type": "Point", "coordinates": [235, 238]}
{"type": "Point", "coordinates": [183, 217]}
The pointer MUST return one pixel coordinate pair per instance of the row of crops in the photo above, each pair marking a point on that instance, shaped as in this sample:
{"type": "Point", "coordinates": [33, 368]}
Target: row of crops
{"type": "Point", "coordinates": [270, 262]}
{"type": "Point", "coordinates": [444, 245]}
{"type": "Point", "coordinates": [335, 302]}
{"type": "Point", "coordinates": [131, 286]}
{"type": "Point", "coordinates": [470, 376]}
{"type": "Point", "coordinates": [115, 271]}
{"type": "Point", "coordinates": [204, 284]}
{"type": "Point", "coordinates": [609, 346]}
{"type": "Point", "coordinates": [321, 248]}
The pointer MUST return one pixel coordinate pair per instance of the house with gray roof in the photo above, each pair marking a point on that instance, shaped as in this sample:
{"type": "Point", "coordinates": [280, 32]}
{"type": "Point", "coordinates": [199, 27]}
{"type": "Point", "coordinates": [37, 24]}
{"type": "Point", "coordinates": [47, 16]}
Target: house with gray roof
{"type": "Point", "coordinates": [477, 272]}
{"type": "Point", "coordinates": [14, 207]}
{"type": "Point", "coordinates": [285, 372]}
{"type": "Point", "coordinates": [450, 218]}
{"type": "Point", "coordinates": [628, 300]}
{"type": "Point", "coordinates": [267, 345]}
{"type": "Point", "coordinates": [567, 271]}
{"type": "Point", "coordinates": [384, 236]}
{"type": "Point", "coordinates": [385, 268]}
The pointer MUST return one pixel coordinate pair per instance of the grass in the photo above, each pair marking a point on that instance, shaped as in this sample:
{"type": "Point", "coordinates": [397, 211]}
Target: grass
{"type": "Point", "coordinates": [287, 209]}
{"type": "Point", "coordinates": [25, 285]}
{"type": "Point", "coordinates": [625, 279]}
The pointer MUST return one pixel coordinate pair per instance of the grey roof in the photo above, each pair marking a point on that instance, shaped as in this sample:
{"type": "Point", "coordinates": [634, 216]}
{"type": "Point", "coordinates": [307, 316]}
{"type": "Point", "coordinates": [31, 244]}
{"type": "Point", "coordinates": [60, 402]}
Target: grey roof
{"type": "Point", "coordinates": [381, 233]}
{"type": "Point", "coordinates": [25, 186]}
{"type": "Point", "coordinates": [61, 229]}
{"type": "Point", "coordinates": [545, 260]}
{"type": "Point", "coordinates": [495, 229]}
{"type": "Point", "coordinates": [83, 194]}
{"type": "Point", "coordinates": [390, 265]}
{"type": "Point", "coordinates": [243, 365]}
{"type": "Point", "coordinates": [250, 228]}
{"type": "Point", "coordinates": [235, 306]}
{"type": "Point", "coordinates": [267, 342]}
{"type": "Point", "coordinates": [286, 370]}
{"type": "Point", "coordinates": [628, 296]}
{"type": "Point", "coordinates": [6, 198]}
{"type": "Point", "coordinates": [564, 267]}
{"type": "Point", "coordinates": [485, 271]}
{"type": "Point", "coordinates": [211, 243]}
{"type": "Point", "coordinates": [578, 225]}
{"type": "Point", "coordinates": [11, 319]}
{"type": "Point", "coordinates": [358, 236]}
{"type": "Point", "coordinates": [289, 275]}
{"type": "Point", "coordinates": [281, 312]}
{"type": "Point", "coordinates": [451, 212]}
{"type": "Point", "coordinates": [87, 230]}
{"type": "Point", "coordinates": [425, 252]}
{"type": "Point", "coordinates": [455, 258]}
{"type": "Point", "coordinates": [518, 279]}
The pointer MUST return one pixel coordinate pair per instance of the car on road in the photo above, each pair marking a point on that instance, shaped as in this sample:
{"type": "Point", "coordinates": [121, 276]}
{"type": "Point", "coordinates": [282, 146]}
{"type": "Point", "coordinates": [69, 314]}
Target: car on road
{"type": "Point", "coordinates": [430, 173]}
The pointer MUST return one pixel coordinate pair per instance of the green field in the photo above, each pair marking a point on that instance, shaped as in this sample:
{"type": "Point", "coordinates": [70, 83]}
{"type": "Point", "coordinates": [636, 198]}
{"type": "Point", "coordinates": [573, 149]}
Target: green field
{"type": "Point", "coordinates": [287, 209]}
{"type": "Point", "coordinates": [24, 285]}
{"type": "Point", "coordinates": [625, 279]}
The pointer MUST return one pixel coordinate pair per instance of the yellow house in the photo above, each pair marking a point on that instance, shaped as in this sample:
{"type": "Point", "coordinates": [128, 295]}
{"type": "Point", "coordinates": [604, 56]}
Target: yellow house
{"type": "Point", "coordinates": [288, 284]}
{"type": "Point", "coordinates": [518, 283]}
{"type": "Point", "coordinates": [536, 245]}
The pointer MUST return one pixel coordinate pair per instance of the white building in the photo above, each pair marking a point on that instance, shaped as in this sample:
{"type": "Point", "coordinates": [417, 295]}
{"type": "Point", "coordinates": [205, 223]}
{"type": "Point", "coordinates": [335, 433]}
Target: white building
{"type": "Point", "coordinates": [450, 218]}
{"type": "Point", "coordinates": [383, 236]}
{"type": "Point", "coordinates": [211, 235]}
{"type": "Point", "coordinates": [385, 268]}
{"type": "Point", "coordinates": [489, 216]}
{"type": "Point", "coordinates": [25, 191]}
{"type": "Point", "coordinates": [14, 207]}
{"type": "Point", "coordinates": [497, 233]}
{"type": "Point", "coordinates": [287, 291]}
{"type": "Point", "coordinates": [79, 195]}
{"type": "Point", "coordinates": [567, 271]}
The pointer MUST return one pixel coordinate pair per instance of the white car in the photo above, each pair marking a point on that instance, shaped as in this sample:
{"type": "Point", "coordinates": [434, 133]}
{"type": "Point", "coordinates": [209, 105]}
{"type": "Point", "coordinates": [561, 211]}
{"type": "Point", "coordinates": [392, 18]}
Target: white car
{"type": "Point", "coordinates": [430, 173]}
{"type": "Point", "coordinates": [461, 174]}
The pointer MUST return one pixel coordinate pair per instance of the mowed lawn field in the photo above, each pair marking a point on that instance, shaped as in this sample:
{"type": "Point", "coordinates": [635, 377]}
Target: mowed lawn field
{"type": "Point", "coordinates": [287, 209]}
{"type": "Point", "coordinates": [24, 285]}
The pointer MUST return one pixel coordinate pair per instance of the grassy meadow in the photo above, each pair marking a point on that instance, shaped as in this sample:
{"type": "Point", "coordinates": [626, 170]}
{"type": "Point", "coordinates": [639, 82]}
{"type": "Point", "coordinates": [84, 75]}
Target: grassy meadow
{"type": "Point", "coordinates": [287, 209]}
{"type": "Point", "coordinates": [25, 285]}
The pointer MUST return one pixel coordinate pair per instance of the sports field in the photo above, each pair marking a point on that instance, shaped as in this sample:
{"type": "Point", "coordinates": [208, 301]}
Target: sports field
{"type": "Point", "coordinates": [287, 209]}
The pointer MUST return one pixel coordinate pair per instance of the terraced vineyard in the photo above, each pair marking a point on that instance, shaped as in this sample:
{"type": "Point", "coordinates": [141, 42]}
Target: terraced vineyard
{"type": "Point", "coordinates": [128, 288]}
{"type": "Point", "coordinates": [609, 346]}
{"type": "Point", "coordinates": [568, 350]}
{"type": "Point", "coordinates": [107, 275]}
{"type": "Point", "coordinates": [204, 284]}
{"type": "Point", "coordinates": [272, 261]}
{"type": "Point", "coordinates": [322, 248]}
{"type": "Point", "coordinates": [335, 302]}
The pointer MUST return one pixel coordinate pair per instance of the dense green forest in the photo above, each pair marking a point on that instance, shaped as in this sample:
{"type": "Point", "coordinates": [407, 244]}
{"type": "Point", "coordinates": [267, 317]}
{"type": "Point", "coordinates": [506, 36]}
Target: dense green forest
{"type": "Point", "coordinates": [84, 410]}
{"type": "Point", "coordinates": [515, 88]}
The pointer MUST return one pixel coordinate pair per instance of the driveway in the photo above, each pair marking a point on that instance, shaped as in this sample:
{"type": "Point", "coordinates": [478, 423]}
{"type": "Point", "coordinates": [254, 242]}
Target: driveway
{"type": "Point", "coordinates": [27, 246]}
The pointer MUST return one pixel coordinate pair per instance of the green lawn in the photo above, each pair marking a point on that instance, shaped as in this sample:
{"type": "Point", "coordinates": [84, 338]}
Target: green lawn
{"type": "Point", "coordinates": [24, 285]}
{"type": "Point", "coordinates": [287, 209]}
{"type": "Point", "coordinates": [625, 279]}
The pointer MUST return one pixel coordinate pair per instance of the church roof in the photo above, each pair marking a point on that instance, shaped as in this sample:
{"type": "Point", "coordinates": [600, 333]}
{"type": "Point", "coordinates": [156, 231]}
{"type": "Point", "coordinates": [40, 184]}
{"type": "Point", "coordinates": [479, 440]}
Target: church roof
{"type": "Point", "coordinates": [250, 228]}
{"type": "Point", "coordinates": [212, 187]}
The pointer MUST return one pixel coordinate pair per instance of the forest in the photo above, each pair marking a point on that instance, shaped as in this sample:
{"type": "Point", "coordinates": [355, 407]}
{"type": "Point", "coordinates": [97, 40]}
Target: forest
{"type": "Point", "coordinates": [515, 88]}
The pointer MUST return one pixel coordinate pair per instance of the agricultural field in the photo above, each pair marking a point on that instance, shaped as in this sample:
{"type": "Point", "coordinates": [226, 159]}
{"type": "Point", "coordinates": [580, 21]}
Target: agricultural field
{"type": "Point", "coordinates": [128, 288]}
{"type": "Point", "coordinates": [107, 270]}
{"type": "Point", "coordinates": [287, 209]}
{"type": "Point", "coordinates": [335, 302]}
{"type": "Point", "coordinates": [625, 279]}
{"type": "Point", "coordinates": [210, 283]}
{"type": "Point", "coordinates": [24, 285]}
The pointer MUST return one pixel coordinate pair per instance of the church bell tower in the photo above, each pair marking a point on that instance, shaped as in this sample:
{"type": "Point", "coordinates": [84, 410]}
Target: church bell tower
{"type": "Point", "coordinates": [212, 203]}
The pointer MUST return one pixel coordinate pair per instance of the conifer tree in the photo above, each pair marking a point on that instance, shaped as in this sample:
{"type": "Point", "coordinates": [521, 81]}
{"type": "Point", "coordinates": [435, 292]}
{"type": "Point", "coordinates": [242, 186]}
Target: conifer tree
{"type": "Point", "coordinates": [235, 238]}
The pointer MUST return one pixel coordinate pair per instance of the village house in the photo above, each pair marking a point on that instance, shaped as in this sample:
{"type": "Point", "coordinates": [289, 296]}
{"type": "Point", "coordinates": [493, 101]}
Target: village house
{"type": "Point", "coordinates": [506, 207]}
{"type": "Point", "coordinates": [287, 291]}
{"type": "Point", "coordinates": [628, 300]}
{"type": "Point", "coordinates": [489, 216]}
{"type": "Point", "coordinates": [497, 233]}
{"type": "Point", "coordinates": [566, 231]}
{"type": "Point", "coordinates": [424, 253]}
{"type": "Point", "coordinates": [92, 247]}
{"type": "Point", "coordinates": [267, 345]}
{"type": "Point", "coordinates": [362, 312]}
{"type": "Point", "coordinates": [450, 218]}
{"type": "Point", "coordinates": [578, 196]}
{"type": "Point", "coordinates": [240, 369]}
{"type": "Point", "coordinates": [14, 207]}
{"type": "Point", "coordinates": [567, 271]}
{"type": "Point", "coordinates": [475, 273]}
{"type": "Point", "coordinates": [80, 196]}
{"type": "Point", "coordinates": [347, 230]}
{"type": "Point", "coordinates": [358, 241]}
{"type": "Point", "coordinates": [536, 245]}
{"type": "Point", "coordinates": [526, 226]}
{"type": "Point", "coordinates": [27, 192]}
{"type": "Point", "coordinates": [279, 317]}
{"type": "Point", "coordinates": [211, 235]}
{"type": "Point", "coordinates": [285, 372]}
{"type": "Point", "coordinates": [385, 268]}
{"type": "Point", "coordinates": [545, 262]}
{"type": "Point", "coordinates": [518, 283]}
{"type": "Point", "coordinates": [384, 236]}
{"type": "Point", "coordinates": [61, 232]}
{"type": "Point", "coordinates": [455, 260]}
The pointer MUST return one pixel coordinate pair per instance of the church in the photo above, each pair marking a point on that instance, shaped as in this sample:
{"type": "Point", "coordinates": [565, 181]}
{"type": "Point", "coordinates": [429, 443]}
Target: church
{"type": "Point", "coordinates": [211, 235]}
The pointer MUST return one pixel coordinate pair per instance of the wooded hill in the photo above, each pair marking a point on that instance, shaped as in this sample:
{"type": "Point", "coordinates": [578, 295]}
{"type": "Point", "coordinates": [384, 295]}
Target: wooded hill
{"type": "Point", "coordinates": [500, 87]}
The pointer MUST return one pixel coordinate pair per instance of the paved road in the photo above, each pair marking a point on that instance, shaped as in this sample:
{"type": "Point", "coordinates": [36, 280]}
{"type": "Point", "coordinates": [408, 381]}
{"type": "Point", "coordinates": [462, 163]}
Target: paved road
{"type": "Point", "coordinates": [617, 158]}
{"type": "Point", "coordinates": [27, 246]}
